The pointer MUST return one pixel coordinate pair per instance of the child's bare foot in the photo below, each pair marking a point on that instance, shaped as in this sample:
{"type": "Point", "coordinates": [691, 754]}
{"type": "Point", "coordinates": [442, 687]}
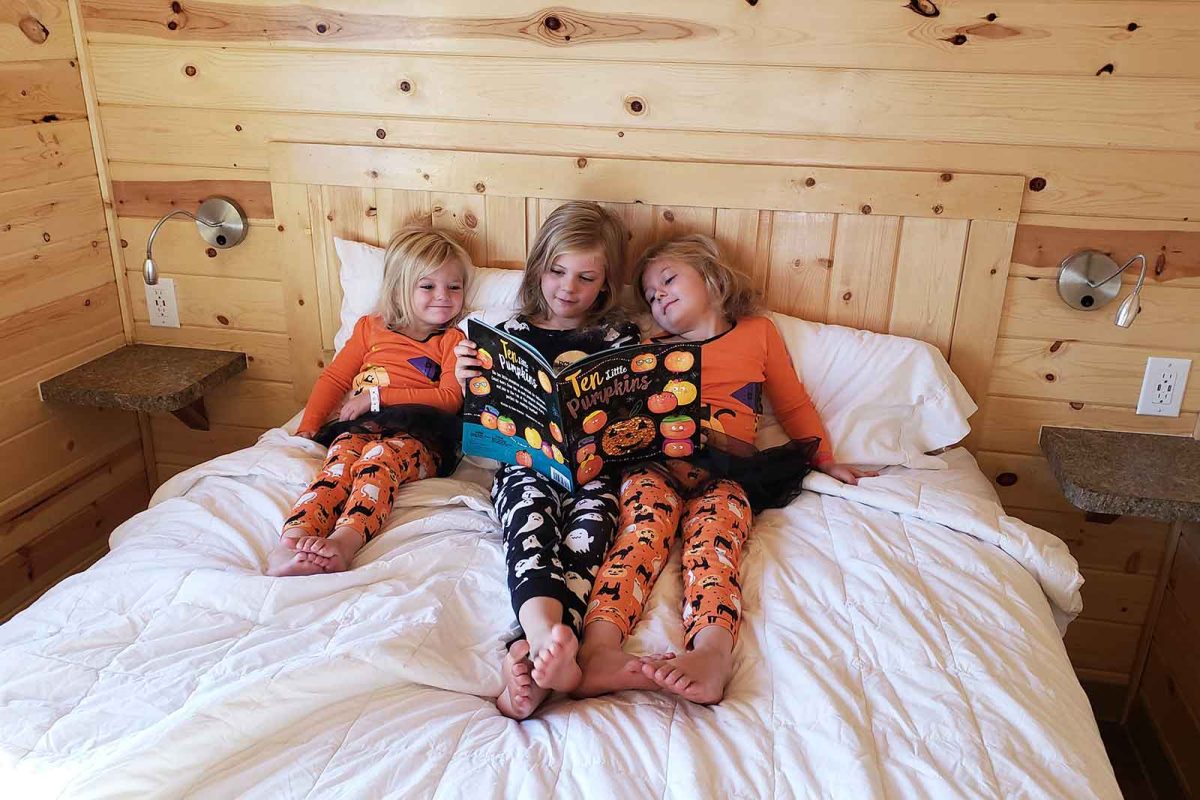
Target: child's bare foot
{"type": "Point", "coordinates": [521, 696]}
{"type": "Point", "coordinates": [610, 669]}
{"type": "Point", "coordinates": [285, 559]}
{"type": "Point", "coordinates": [334, 553]}
{"type": "Point", "coordinates": [699, 675]}
{"type": "Point", "coordinates": [554, 665]}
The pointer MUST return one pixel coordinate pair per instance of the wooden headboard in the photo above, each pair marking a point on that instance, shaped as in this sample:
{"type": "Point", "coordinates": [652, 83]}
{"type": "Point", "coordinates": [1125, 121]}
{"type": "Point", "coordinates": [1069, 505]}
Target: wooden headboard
{"type": "Point", "coordinates": [920, 254]}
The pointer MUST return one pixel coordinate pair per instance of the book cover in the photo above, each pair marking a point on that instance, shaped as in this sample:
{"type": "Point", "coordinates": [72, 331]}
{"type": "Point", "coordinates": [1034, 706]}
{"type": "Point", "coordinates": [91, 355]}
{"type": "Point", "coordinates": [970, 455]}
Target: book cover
{"type": "Point", "coordinates": [613, 407]}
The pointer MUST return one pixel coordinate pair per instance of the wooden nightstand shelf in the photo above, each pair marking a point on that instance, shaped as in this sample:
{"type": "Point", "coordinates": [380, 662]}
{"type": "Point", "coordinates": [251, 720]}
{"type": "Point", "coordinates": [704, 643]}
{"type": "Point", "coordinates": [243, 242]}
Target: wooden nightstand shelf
{"type": "Point", "coordinates": [1111, 474]}
{"type": "Point", "coordinates": [143, 377]}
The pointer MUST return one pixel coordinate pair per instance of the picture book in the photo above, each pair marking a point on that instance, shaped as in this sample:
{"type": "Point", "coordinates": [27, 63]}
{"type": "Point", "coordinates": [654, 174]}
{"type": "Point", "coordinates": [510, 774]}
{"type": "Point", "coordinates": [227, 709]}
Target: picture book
{"type": "Point", "coordinates": [612, 407]}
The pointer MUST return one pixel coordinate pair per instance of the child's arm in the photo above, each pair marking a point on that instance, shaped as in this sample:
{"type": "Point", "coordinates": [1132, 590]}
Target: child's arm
{"type": "Point", "coordinates": [334, 381]}
{"type": "Point", "coordinates": [446, 396]}
{"type": "Point", "coordinates": [794, 407]}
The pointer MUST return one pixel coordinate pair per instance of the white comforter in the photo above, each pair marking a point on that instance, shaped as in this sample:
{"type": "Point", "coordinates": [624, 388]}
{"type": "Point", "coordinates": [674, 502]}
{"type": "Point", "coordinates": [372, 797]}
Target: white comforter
{"type": "Point", "coordinates": [899, 642]}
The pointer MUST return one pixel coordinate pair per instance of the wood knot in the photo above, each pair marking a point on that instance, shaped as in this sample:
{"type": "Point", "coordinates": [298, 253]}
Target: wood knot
{"type": "Point", "coordinates": [34, 30]}
{"type": "Point", "coordinates": [581, 162]}
{"type": "Point", "coordinates": [279, 228]}
{"type": "Point", "coordinates": [847, 296]}
{"type": "Point", "coordinates": [827, 263]}
{"type": "Point", "coordinates": [211, 252]}
{"type": "Point", "coordinates": [991, 17]}
{"type": "Point", "coordinates": [237, 128]}
{"type": "Point", "coordinates": [992, 271]}
{"type": "Point", "coordinates": [957, 39]}
{"type": "Point", "coordinates": [405, 86]}
{"type": "Point", "coordinates": [372, 211]}
{"type": "Point", "coordinates": [635, 105]}
{"type": "Point", "coordinates": [470, 220]}
{"type": "Point", "coordinates": [797, 263]}
{"type": "Point", "coordinates": [70, 445]}
{"type": "Point", "coordinates": [322, 28]}
{"type": "Point", "coordinates": [669, 215]}
{"type": "Point", "coordinates": [176, 7]}
{"type": "Point", "coordinates": [87, 302]}
{"type": "Point", "coordinates": [552, 23]}
{"type": "Point", "coordinates": [938, 209]}
{"type": "Point", "coordinates": [926, 8]}
{"type": "Point", "coordinates": [481, 187]}
{"type": "Point", "coordinates": [1160, 264]}
{"type": "Point", "coordinates": [190, 71]}
{"type": "Point", "coordinates": [172, 25]}
{"type": "Point", "coordinates": [1054, 348]}
{"type": "Point", "coordinates": [1006, 478]}
{"type": "Point", "coordinates": [866, 209]}
{"type": "Point", "coordinates": [124, 243]}
{"type": "Point", "coordinates": [1107, 69]}
{"type": "Point", "coordinates": [810, 182]}
{"type": "Point", "coordinates": [1075, 404]}
{"type": "Point", "coordinates": [620, 134]}
{"type": "Point", "coordinates": [221, 318]}
{"type": "Point", "coordinates": [752, 2]}
{"type": "Point", "coordinates": [45, 236]}
{"type": "Point", "coordinates": [1037, 184]}
{"type": "Point", "coordinates": [946, 177]}
{"type": "Point", "coordinates": [1131, 27]}
{"type": "Point", "coordinates": [1051, 377]}
{"type": "Point", "coordinates": [374, 174]}
{"type": "Point", "coordinates": [380, 133]}
{"type": "Point", "coordinates": [300, 301]}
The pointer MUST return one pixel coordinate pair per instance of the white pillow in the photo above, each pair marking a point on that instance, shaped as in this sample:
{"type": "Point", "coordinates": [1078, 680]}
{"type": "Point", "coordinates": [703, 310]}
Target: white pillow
{"type": "Point", "coordinates": [361, 276]}
{"type": "Point", "coordinates": [884, 399]}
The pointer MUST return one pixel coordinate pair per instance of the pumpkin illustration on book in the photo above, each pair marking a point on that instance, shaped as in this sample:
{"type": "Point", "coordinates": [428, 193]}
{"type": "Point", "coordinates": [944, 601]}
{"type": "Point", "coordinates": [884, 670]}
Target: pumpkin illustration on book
{"type": "Point", "coordinates": [479, 386]}
{"type": "Point", "coordinates": [556, 432]}
{"type": "Point", "coordinates": [524, 458]}
{"type": "Point", "coordinates": [587, 449]}
{"type": "Point", "coordinates": [626, 435]}
{"type": "Point", "coordinates": [643, 362]}
{"type": "Point", "coordinates": [485, 358]}
{"type": "Point", "coordinates": [544, 380]}
{"type": "Point", "coordinates": [684, 391]}
{"type": "Point", "coordinates": [533, 437]}
{"type": "Point", "coordinates": [594, 421]}
{"type": "Point", "coordinates": [589, 469]}
{"type": "Point", "coordinates": [679, 361]}
{"type": "Point", "coordinates": [507, 426]}
{"type": "Point", "coordinates": [490, 417]}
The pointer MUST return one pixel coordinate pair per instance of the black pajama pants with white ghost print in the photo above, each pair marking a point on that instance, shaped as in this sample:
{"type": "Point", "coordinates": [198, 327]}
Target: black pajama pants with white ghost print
{"type": "Point", "coordinates": [555, 541]}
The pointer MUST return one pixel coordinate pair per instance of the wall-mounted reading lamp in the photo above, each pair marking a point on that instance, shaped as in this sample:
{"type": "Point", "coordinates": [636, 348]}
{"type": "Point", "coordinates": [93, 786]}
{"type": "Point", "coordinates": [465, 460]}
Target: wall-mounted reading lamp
{"type": "Point", "coordinates": [1089, 280]}
{"type": "Point", "coordinates": [220, 221]}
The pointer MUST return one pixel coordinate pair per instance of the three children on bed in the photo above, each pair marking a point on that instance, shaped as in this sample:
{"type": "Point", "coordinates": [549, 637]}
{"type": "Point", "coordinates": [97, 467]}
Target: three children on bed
{"type": "Point", "coordinates": [578, 587]}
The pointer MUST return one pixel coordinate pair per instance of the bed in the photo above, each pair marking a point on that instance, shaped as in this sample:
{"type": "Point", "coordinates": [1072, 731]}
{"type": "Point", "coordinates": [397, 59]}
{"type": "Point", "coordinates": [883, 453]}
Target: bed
{"type": "Point", "coordinates": [902, 637]}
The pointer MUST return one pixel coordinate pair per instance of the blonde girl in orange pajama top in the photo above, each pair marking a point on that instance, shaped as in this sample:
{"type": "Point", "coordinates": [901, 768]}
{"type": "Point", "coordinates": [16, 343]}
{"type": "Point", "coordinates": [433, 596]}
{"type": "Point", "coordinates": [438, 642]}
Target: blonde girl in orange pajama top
{"type": "Point", "coordinates": [400, 422]}
{"type": "Point", "coordinates": [694, 295]}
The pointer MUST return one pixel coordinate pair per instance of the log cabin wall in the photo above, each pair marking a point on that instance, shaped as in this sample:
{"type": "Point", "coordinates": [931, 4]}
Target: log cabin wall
{"type": "Point", "coordinates": [1096, 103]}
{"type": "Point", "coordinates": [68, 475]}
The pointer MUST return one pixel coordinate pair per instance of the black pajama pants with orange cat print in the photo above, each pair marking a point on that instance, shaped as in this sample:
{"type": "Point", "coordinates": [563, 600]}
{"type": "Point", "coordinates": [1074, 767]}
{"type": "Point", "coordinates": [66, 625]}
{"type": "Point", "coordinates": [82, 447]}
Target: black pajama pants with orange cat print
{"type": "Point", "coordinates": [656, 503]}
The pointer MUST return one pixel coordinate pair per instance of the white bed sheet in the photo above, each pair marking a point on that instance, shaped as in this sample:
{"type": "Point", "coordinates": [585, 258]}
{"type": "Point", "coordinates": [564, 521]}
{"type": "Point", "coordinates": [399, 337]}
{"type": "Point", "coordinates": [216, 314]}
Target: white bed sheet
{"type": "Point", "coordinates": [898, 642]}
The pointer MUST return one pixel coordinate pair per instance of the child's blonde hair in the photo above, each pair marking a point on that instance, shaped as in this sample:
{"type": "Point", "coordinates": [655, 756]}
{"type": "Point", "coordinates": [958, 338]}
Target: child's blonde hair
{"type": "Point", "coordinates": [726, 286]}
{"type": "Point", "coordinates": [413, 253]}
{"type": "Point", "coordinates": [574, 227]}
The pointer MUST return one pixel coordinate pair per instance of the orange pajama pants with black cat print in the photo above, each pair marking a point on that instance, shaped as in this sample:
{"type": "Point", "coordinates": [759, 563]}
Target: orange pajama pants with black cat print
{"type": "Point", "coordinates": [357, 485]}
{"type": "Point", "coordinates": [715, 519]}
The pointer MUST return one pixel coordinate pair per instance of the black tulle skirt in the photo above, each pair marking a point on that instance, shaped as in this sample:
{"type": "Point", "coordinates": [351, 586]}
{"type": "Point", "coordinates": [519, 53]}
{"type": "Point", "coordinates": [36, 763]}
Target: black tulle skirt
{"type": "Point", "coordinates": [771, 478]}
{"type": "Point", "coordinates": [438, 431]}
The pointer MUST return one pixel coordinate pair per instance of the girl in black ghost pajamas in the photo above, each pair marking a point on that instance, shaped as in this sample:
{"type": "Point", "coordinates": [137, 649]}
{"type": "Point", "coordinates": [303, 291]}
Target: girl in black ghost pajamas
{"type": "Point", "coordinates": [556, 540]}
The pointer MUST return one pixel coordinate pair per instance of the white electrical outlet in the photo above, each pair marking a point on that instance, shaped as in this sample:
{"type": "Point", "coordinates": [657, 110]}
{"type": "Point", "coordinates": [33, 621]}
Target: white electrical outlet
{"type": "Point", "coordinates": [160, 301]}
{"type": "Point", "coordinates": [1163, 386]}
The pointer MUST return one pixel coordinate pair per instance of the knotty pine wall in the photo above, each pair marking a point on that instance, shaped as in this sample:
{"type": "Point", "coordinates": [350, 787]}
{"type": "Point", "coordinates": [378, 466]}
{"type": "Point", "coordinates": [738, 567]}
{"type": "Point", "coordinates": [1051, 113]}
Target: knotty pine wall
{"type": "Point", "coordinates": [1095, 102]}
{"type": "Point", "coordinates": [68, 475]}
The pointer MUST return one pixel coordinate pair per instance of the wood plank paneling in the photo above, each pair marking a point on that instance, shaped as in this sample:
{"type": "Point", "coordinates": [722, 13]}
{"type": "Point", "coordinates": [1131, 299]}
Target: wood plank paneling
{"type": "Point", "coordinates": [1073, 180]}
{"type": "Point", "coordinates": [46, 213]}
{"type": "Point", "coordinates": [800, 263]}
{"type": "Point", "coordinates": [40, 91]}
{"type": "Point", "coordinates": [1177, 725]}
{"type": "Point", "coordinates": [928, 272]}
{"type": "Point", "coordinates": [1116, 596]}
{"type": "Point", "coordinates": [253, 404]}
{"type": "Point", "coordinates": [1079, 371]}
{"type": "Point", "coordinates": [1023, 481]}
{"type": "Point", "coordinates": [152, 198]}
{"type": "Point", "coordinates": [58, 328]}
{"type": "Point", "coordinates": [1027, 37]}
{"type": "Point", "coordinates": [1172, 246]}
{"type": "Point", "coordinates": [243, 305]}
{"type": "Point", "coordinates": [860, 284]}
{"type": "Point", "coordinates": [33, 155]}
{"type": "Point", "coordinates": [175, 443]}
{"type": "Point", "coordinates": [35, 30]}
{"type": "Point", "coordinates": [1127, 544]}
{"type": "Point", "coordinates": [1033, 310]}
{"type": "Point", "coordinates": [43, 274]}
{"type": "Point", "coordinates": [179, 250]}
{"type": "Point", "coordinates": [268, 354]}
{"type": "Point", "coordinates": [1012, 423]}
{"type": "Point", "coordinates": [1053, 110]}
{"type": "Point", "coordinates": [1106, 646]}
{"type": "Point", "coordinates": [753, 186]}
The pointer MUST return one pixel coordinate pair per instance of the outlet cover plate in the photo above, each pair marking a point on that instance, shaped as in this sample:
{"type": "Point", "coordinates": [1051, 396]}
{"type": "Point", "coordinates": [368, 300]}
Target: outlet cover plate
{"type": "Point", "coordinates": [161, 305]}
{"type": "Point", "coordinates": [1163, 386]}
